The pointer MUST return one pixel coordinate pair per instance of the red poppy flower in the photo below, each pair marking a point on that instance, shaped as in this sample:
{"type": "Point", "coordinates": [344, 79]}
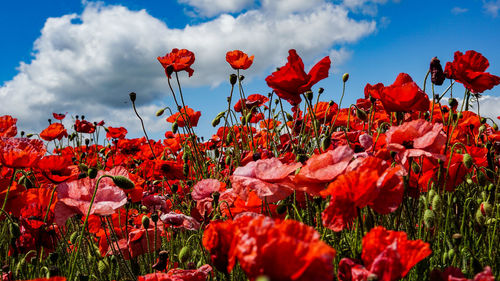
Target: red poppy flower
{"type": "Point", "coordinates": [20, 152]}
{"type": "Point", "coordinates": [8, 126]}
{"type": "Point", "coordinates": [469, 70]}
{"type": "Point", "coordinates": [281, 250]}
{"type": "Point", "coordinates": [291, 80]}
{"type": "Point", "coordinates": [217, 239]}
{"type": "Point", "coordinates": [387, 256]}
{"type": "Point", "coordinates": [59, 116]}
{"type": "Point", "coordinates": [239, 60]}
{"type": "Point", "coordinates": [188, 115]}
{"type": "Point", "coordinates": [179, 60]}
{"type": "Point", "coordinates": [176, 274]}
{"type": "Point", "coordinates": [116, 133]}
{"type": "Point", "coordinates": [255, 100]}
{"type": "Point", "coordinates": [56, 278]}
{"type": "Point", "coordinates": [54, 131]}
{"type": "Point", "coordinates": [416, 138]}
{"type": "Point", "coordinates": [84, 126]}
{"type": "Point", "coordinates": [268, 177]}
{"type": "Point", "coordinates": [403, 95]}
{"type": "Point", "coordinates": [139, 241]}
{"type": "Point", "coordinates": [455, 274]}
{"type": "Point", "coordinates": [374, 91]}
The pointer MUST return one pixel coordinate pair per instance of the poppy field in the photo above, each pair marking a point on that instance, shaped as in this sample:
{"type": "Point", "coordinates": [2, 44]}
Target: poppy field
{"type": "Point", "coordinates": [402, 185]}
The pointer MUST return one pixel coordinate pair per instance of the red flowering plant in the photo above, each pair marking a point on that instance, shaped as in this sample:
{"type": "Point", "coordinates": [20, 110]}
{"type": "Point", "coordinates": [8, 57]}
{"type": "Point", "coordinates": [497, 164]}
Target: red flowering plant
{"type": "Point", "coordinates": [239, 60]}
{"type": "Point", "coordinates": [177, 60]}
{"type": "Point", "coordinates": [290, 81]}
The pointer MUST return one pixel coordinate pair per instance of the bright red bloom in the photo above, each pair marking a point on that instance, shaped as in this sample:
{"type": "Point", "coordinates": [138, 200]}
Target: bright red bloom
{"type": "Point", "coordinates": [255, 100]}
{"type": "Point", "coordinates": [387, 256]}
{"type": "Point", "coordinates": [56, 278]}
{"type": "Point", "coordinates": [403, 95]}
{"type": "Point", "coordinates": [199, 274]}
{"type": "Point", "coordinates": [455, 274]}
{"type": "Point", "coordinates": [116, 133]}
{"type": "Point", "coordinates": [20, 152]}
{"type": "Point", "coordinates": [239, 60]}
{"type": "Point", "coordinates": [54, 131]}
{"type": "Point", "coordinates": [186, 116]}
{"type": "Point", "coordinates": [268, 177]}
{"type": "Point", "coordinates": [281, 250]}
{"type": "Point", "coordinates": [374, 91]}
{"type": "Point", "coordinates": [179, 60]}
{"type": "Point", "coordinates": [8, 126]}
{"type": "Point", "coordinates": [217, 239]}
{"type": "Point", "coordinates": [138, 241]}
{"type": "Point", "coordinates": [59, 116]}
{"type": "Point", "coordinates": [291, 80]}
{"type": "Point", "coordinates": [84, 126]}
{"type": "Point", "coordinates": [469, 70]}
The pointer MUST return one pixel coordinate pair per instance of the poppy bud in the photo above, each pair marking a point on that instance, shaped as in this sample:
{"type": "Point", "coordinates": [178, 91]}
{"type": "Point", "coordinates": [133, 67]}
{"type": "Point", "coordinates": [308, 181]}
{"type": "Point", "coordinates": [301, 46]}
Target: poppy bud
{"type": "Point", "coordinates": [437, 74]}
{"type": "Point", "coordinates": [169, 70]}
{"type": "Point", "coordinates": [248, 117]}
{"type": "Point", "coordinates": [103, 267]}
{"type": "Point", "coordinates": [186, 155]}
{"type": "Point", "coordinates": [123, 182]}
{"type": "Point", "coordinates": [132, 96]}
{"type": "Point", "coordinates": [233, 78]}
{"type": "Point", "coordinates": [184, 254]}
{"type": "Point", "coordinates": [415, 167]}
{"type": "Point", "coordinates": [215, 196]}
{"type": "Point", "coordinates": [160, 112]}
{"type": "Point", "coordinates": [281, 209]}
{"type": "Point", "coordinates": [244, 121]}
{"type": "Point", "coordinates": [331, 103]}
{"type": "Point", "coordinates": [263, 278]}
{"type": "Point", "coordinates": [467, 160]}
{"type": "Point", "coordinates": [227, 160]}
{"type": "Point", "coordinates": [345, 77]}
{"type": "Point", "coordinates": [481, 129]}
{"type": "Point", "coordinates": [309, 95]}
{"type": "Point", "coordinates": [73, 237]}
{"type": "Point", "coordinates": [145, 222]}
{"type": "Point", "coordinates": [361, 114]}
{"type": "Point", "coordinates": [161, 264]}
{"type": "Point", "coordinates": [289, 117]}
{"type": "Point", "coordinates": [436, 203]}
{"type": "Point", "coordinates": [326, 142]}
{"type": "Point", "coordinates": [14, 230]}
{"type": "Point", "coordinates": [92, 172]}
{"type": "Point", "coordinates": [495, 126]}
{"type": "Point", "coordinates": [174, 188]}
{"type": "Point", "coordinates": [175, 126]}
{"type": "Point", "coordinates": [429, 218]}
{"type": "Point", "coordinates": [215, 122]}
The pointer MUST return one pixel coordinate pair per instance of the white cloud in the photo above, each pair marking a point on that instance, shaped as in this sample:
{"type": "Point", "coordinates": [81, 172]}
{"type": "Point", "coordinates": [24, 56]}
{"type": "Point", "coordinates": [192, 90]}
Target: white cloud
{"type": "Point", "coordinates": [367, 7]}
{"type": "Point", "coordinates": [458, 10]}
{"type": "Point", "coordinates": [488, 107]}
{"type": "Point", "coordinates": [491, 7]}
{"type": "Point", "coordinates": [211, 8]}
{"type": "Point", "coordinates": [87, 64]}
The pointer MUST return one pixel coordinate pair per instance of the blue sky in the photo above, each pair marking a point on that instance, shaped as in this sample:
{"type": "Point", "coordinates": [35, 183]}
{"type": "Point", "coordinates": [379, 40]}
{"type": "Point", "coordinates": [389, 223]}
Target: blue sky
{"type": "Point", "coordinates": [84, 57]}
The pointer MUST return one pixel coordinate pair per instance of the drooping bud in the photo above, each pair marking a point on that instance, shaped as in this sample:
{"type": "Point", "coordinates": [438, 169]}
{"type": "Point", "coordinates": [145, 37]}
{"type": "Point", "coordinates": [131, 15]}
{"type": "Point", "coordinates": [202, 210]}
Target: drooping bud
{"type": "Point", "coordinates": [123, 182]}
{"type": "Point", "coordinates": [184, 254]}
{"type": "Point", "coordinates": [345, 77]}
{"type": "Point", "coordinates": [154, 217]}
{"type": "Point", "coordinates": [361, 114]}
{"type": "Point", "coordinates": [437, 74]}
{"type": "Point", "coordinates": [216, 121]}
{"type": "Point", "coordinates": [429, 218]}
{"type": "Point", "coordinates": [92, 172]}
{"type": "Point", "coordinates": [320, 90]}
{"type": "Point", "coordinates": [145, 222]}
{"type": "Point", "coordinates": [169, 70]}
{"type": "Point", "coordinates": [289, 117]}
{"type": "Point", "coordinates": [326, 142]}
{"type": "Point", "coordinates": [437, 203]}
{"type": "Point", "coordinates": [132, 96]}
{"type": "Point", "coordinates": [160, 112]}
{"type": "Point", "coordinates": [467, 160]}
{"type": "Point", "coordinates": [233, 79]}
{"type": "Point", "coordinates": [175, 127]}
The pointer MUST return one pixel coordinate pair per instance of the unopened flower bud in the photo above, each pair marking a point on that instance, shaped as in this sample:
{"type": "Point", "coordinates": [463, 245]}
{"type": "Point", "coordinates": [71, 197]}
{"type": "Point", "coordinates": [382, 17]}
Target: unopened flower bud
{"type": "Point", "coordinates": [457, 239]}
{"type": "Point", "coordinates": [494, 126]}
{"type": "Point", "coordinates": [467, 160]}
{"type": "Point", "coordinates": [215, 122]}
{"type": "Point", "coordinates": [320, 90]}
{"type": "Point", "coordinates": [345, 77]}
{"type": "Point", "coordinates": [123, 182]}
{"type": "Point", "coordinates": [160, 112]}
{"type": "Point", "coordinates": [154, 217]}
{"type": "Point", "coordinates": [361, 114]}
{"type": "Point", "coordinates": [481, 129]}
{"type": "Point", "coordinates": [92, 172]}
{"type": "Point", "coordinates": [437, 203]}
{"type": "Point", "coordinates": [175, 127]}
{"type": "Point", "coordinates": [233, 79]}
{"type": "Point", "coordinates": [132, 96]}
{"type": "Point", "coordinates": [309, 95]}
{"type": "Point", "coordinates": [437, 74]}
{"type": "Point", "coordinates": [184, 254]}
{"type": "Point", "coordinates": [289, 117]}
{"type": "Point", "coordinates": [429, 218]}
{"type": "Point", "coordinates": [326, 142]}
{"type": "Point", "coordinates": [145, 222]}
{"type": "Point", "coordinates": [169, 70]}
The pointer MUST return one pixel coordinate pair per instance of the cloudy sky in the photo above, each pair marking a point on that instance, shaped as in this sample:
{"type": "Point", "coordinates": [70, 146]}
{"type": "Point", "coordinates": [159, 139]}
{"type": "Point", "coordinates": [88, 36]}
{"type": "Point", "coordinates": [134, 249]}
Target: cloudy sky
{"type": "Point", "coordinates": [84, 57]}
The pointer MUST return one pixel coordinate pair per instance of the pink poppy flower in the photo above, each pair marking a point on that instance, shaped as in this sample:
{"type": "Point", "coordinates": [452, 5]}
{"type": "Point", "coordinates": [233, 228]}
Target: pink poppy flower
{"type": "Point", "coordinates": [74, 196]}
{"type": "Point", "coordinates": [180, 220]}
{"type": "Point", "coordinates": [269, 178]}
{"type": "Point", "coordinates": [176, 274]}
{"type": "Point", "coordinates": [202, 194]}
{"type": "Point", "coordinates": [323, 168]}
{"type": "Point", "coordinates": [416, 138]}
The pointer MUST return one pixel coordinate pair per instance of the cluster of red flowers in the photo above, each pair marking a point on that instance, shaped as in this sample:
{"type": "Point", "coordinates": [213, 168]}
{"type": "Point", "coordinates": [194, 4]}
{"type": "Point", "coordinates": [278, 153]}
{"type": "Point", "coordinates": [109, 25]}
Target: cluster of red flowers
{"type": "Point", "coordinates": [272, 199]}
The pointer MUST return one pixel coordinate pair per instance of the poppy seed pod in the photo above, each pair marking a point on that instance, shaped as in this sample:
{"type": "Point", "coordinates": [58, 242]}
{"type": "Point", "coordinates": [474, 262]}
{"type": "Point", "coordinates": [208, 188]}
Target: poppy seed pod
{"type": "Point", "coordinates": [320, 90]}
{"type": "Point", "coordinates": [123, 182]}
{"type": "Point", "coordinates": [309, 95]}
{"type": "Point", "coordinates": [154, 217]}
{"type": "Point", "coordinates": [132, 96]}
{"type": "Point", "coordinates": [345, 77]}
